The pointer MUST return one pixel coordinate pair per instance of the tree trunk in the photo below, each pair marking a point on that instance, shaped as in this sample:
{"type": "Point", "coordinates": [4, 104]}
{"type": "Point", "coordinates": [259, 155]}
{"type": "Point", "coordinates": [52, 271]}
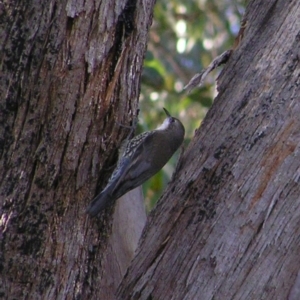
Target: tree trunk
{"type": "Point", "coordinates": [228, 225]}
{"type": "Point", "coordinates": [70, 72]}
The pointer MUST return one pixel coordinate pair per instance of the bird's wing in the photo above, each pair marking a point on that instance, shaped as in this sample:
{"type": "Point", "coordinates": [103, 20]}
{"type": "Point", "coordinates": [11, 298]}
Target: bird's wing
{"type": "Point", "coordinates": [106, 197]}
{"type": "Point", "coordinates": [137, 169]}
{"type": "Point", "coordinates": [131, 171]}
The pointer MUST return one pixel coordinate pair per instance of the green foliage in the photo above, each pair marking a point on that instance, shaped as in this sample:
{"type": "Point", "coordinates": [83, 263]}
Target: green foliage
{"type": "Point", "coordinates": [185, 37]}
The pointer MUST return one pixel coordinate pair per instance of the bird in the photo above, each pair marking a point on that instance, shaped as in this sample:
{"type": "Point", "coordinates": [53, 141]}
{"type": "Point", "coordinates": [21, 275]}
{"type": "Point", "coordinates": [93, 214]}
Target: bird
{"type": "Point", "coordinates": [139, 159]}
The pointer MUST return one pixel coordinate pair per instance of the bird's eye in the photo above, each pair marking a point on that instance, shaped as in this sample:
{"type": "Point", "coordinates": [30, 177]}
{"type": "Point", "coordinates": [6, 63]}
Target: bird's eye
{"type": "Point", "coordinates": [172, 120]}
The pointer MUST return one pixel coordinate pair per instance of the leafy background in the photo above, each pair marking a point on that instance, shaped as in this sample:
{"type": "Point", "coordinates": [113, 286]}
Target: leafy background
{"type": "Point", "coordinates": [185, 37]}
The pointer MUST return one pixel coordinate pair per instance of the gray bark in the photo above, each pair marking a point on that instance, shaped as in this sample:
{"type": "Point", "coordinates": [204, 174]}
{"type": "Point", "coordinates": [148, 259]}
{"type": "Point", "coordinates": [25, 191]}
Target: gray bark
{"type": "Point", "coordinates": [70, 70]}
{"type": "Point", "coordinates": [228, 225]}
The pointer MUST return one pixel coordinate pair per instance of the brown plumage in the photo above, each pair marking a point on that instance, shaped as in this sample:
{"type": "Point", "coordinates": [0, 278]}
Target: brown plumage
{"type": "Point", "coordinates": [139, 159]}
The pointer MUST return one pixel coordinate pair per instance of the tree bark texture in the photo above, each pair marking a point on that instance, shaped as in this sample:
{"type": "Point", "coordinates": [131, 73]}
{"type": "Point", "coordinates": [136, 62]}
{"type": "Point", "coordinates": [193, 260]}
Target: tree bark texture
{"type": "Point", "coordinates": [70, 72]}
{"type": "Point", "coordinates": [228, 225]}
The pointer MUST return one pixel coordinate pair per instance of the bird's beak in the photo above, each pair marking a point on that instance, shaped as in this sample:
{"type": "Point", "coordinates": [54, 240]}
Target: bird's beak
{"type": "Point", "coordinates": [167, 113]}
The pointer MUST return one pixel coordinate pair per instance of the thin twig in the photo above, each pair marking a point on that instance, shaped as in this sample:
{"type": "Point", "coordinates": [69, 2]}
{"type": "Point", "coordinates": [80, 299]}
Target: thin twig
{"type": "Point", "coordinates": [198, 79]}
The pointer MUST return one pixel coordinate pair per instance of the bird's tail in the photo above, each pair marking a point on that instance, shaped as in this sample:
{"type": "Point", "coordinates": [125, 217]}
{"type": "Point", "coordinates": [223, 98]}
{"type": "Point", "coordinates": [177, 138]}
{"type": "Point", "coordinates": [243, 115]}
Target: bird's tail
{"type": "Point", "coordinates": [100, 202]}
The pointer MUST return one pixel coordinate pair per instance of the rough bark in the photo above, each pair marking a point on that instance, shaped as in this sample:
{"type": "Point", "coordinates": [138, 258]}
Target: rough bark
{"type": "Point", "coordinates": [70, 72]}
{"type": "Point", "coordinates": [228, 225]}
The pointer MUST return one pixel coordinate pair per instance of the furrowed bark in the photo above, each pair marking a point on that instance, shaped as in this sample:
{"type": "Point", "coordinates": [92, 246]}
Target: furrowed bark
{"type": "Point", "coordinates": [227, 226]}
{"type": "Point", "coordinates": [70, 73]}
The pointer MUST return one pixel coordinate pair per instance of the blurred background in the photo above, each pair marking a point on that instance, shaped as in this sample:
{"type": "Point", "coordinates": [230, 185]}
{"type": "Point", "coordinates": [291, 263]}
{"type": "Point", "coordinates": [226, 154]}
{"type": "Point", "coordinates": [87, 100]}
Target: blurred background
{"type": "Point", "coordinates": [184, 38]}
